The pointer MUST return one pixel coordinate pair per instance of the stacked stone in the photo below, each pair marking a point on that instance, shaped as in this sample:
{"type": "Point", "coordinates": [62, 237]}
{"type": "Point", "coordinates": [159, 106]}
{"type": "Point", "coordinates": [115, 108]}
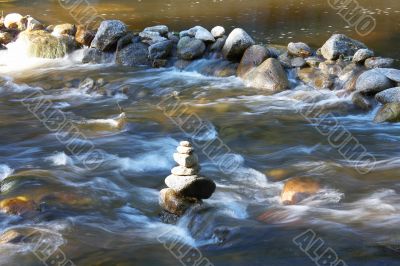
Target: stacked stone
{"type": "Point", "coordinates": [185, 186]}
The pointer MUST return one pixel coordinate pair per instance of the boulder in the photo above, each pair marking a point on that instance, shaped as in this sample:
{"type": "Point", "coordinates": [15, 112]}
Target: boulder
{"type": "Point", "coordinates": [361, 55]}
{"type": "Point", "coordinates": [6, 37]}
{"type": "Point", "coordinates": [299, 49]}
{"type": "Point", "coordinates": [175, 203]}
{"type": "Point", "coordinates": [202, 34]}
{"type": "Point", "coordinates": [379, 62]}
{"type": "Point", "coordinates": [190, 48]}
{"type": "Point", "coordinates": [372, 82]}
{"type": "Point", "coordinates": [33, 24]}
{"type": "Point", "coordinates": [391, 95]}
{"type": "Point", "coordinates": [218, 32]}
{"type": "Point", "coordinates": [160, 50]}
{"type": "Point", "coordinates": [298, 62]}
{"type": "Point", "coordinates": [191, 186]}
{"type": "Point", "coordinates": [391, 73]}
{"type": "Point", "coordinates": [270, 76]}
{"type": "Point", "coordinates": [161, 29]}
{"type": "Point", "coordinates": [64, 29]}
{"type": "Point", "coordinates": [15, 21]}
{"type": "Point", "coordinates": [84, 36]}
{"type": "Point", "coordinates": [389, 112]}
{"type": "Point", "coordinates": [340, 44]}
{"type": "Point", "coordinates": [361, 101]}
{"type": "Point", "coordinates": [151, 37]}
{"type": "Point", "coordinates": [252, 58]}
{"type": "Point", "coordinates": [297, 189]}
{"type": "Point", "coordinates": [42, 44]}
{"type": "Point", "coordinates": [95, 56]}
{"type": "Point", "coordinates": [134, 54]}
{"type": "Point", "coordinates": [236, 44]}
{"type": "Point", "coordinates": [18, 206]}
{"type": "Point", "coordinates": [108, 34]}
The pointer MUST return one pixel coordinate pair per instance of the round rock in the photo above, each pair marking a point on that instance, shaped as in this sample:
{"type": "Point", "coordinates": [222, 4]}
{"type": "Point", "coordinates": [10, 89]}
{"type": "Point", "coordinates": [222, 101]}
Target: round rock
{"type": "Point", "coordinates": [391, 95]}
{"type": "Point", "coordinates": [361, 55]}
{"type": "Point", "coordinates": [372, 82]}
{"type": "Point", "coordinates": [236, 44]}
{"type": "Point", "coordinates": [191, 186]}
{"type": "Point", "coordinates": [218, 31]}
{"type": "Point", "coordinates": [186, 160]}
{"type": "Point", "coordinates": [184, 150]}
{"type": "Point", "coordinates": [299, 49]}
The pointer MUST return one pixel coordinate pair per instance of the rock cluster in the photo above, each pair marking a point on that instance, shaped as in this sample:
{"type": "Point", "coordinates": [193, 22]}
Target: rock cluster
{"type": "Point", "coordinates": [185, 187]}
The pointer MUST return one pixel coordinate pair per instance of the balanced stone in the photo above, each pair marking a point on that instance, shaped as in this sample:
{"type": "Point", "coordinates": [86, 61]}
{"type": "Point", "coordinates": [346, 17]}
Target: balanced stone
{"type": "Point", "coordinates": [184, 150]}
{"type": "Point", "coordinates": [186, 160]}
{"type": "Point", "coordinates": [185, 171]}
{"type": "Point", "coordinates": [191, 186]}
{"type": "Point", "coordinates": [175, 203]}
{"type": "Point", "coordinates": [185, 143]}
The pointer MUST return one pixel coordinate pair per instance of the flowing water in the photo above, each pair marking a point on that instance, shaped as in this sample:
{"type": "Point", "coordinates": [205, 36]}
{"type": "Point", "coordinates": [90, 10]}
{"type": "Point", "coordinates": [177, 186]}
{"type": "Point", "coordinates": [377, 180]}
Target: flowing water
{"type": "Point", "coordinates": [108, 214]}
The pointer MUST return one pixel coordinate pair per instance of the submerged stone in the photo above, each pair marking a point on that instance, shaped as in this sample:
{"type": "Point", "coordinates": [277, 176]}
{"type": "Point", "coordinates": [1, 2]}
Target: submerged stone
{"type": "Point", "coordinates": [175, 203]}
{"type": "Point", "coordinates": [18, 206]}
{"type": "Point", "coordinates": [389, 112]}
{"type": "Point", "coordinates": [297, 189]}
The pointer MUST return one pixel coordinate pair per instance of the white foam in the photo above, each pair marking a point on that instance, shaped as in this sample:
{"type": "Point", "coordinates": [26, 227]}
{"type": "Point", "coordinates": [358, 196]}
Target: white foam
{"type": "Point", "coordinates": [60, 159]}
{"type": "Point", "coordinates": [5, 171]}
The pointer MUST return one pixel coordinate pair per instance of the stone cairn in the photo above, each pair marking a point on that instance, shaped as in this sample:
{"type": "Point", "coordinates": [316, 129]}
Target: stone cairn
{"type": "Point", "coordinates": [185, 187]}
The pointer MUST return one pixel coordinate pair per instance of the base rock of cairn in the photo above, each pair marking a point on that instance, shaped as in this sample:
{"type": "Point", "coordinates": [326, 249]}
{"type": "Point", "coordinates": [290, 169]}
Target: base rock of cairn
{"type": "Point", "coordinates": [185, 187]}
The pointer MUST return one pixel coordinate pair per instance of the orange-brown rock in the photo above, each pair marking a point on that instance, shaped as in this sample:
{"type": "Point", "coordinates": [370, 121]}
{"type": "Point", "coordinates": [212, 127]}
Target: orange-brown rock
{"type": "Point", "coordinates": [18, 205]}
{"type": "Point", "coordinates": [84, 36]}
{"type": "Point", "coordinates": [297, 189]}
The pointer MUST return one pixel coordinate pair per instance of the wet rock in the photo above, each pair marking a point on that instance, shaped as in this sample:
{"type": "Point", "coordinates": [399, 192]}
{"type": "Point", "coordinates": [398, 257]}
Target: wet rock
{"type": "Point", "coordinates": [315, 78]}
{"type": "Point", "coordinates": [160, 50]}
{"type": "Point", "coordinates": [184, 150]}
{"type": "Point", "coordinates": [299, 49]}
{"type": "Point", "coordinates": [158, 63]}
{"type": "Point", "coordinates": [6, 38]}
{"type": "Point", "coordinates": [285, 59]}
{"type": "Point", "coordinates": [87, 84]}
{"type": "Point", "coordinates": [252, 58]}
{"type": "Point", "coordinates": [161, 29]}
{"type": "Point", "coordinates": [134, 54]}
{"type": "Point", "coordinates": [236, 44]}
{"type": "Point", "coordinates": [175, 203]}
{"type": "Point", "coordinates": [339, 44]}
{"type": "Point", "coordinates": [151, 37]}
{"type": "Point", "coordinates": [218, 32]}
{"type": "Point", "coordinates": [18, 206]}
{"type": "Point", "coordinates": [190, 48]}
{"type": "Point", "coordinates": [186, 33]}
{"type": "Point", "coordinates": [44, 45]}
{"type": "Point", "coordinates": [314, 61]}
{"type": "Point", "coordinates": [186, 160]}
{"type": "Point", "coordinates": [182, 64]}
{"type": "Point", "coordinates": [33, 24]}
{"type": "Point", "coordinates": [389, 112]}
{"type": "Point", "coordinates": [15, 21]}
{"type": "Point", "coordinates": [361, 55]}
{"type": "Point", "coordinates": [95, 56]}
{"type": "Point", "coordinates": [191, 186]}
{"type": "Point", "coordinates": [108, 34]}
{"type": "Point", "coordinates": [391, 95]}
{"type": "Point", "coordinates": [298, 62]}
{"type": "Point", "coordinates": [372, 82]}
{"type": "Point", "coordinates": [361, 101]}
{"type": "Point", "coordinates": [84, 36]}
{"type": "Point", "coordinates": [270, 76]}
{"type": "Point", "coordinates": [379, 62]}
{"type": "Point", "coordinates": [64, 29]}
{"type": "Point", "coordinates": [11, 237]}
{"type": "Point", "coordinates": [218, 45]}
{"type": "Point", "coordinates": [297, 189]}
{"type": "Point", "coordinates": [185, 171]}
{"type": "Point", "coordinates": [391, 73]}
{"type": "Point", "coordinates": [172, 37]}
{"type": "Point", "coordinates": [202, 34]}
{"type": "Point", "coordinates": [185, 143]}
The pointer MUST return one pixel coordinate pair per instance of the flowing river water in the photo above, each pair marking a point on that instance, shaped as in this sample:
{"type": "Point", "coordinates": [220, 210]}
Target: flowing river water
{"type": "Point", "coordinates": [108, 215]}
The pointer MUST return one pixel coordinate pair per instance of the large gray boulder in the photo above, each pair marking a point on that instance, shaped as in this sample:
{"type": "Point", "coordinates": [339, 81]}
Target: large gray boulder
{"type": "Point", "coordinates": [270, 76]}
{"type": "Point", "coordinates": [108, 34]}
{"type": "Point", "coordinates": [252, 58]}
{"type": "Point", "coordinates": [160, 50]}
{"type": "Point", "coordinates": [340, 44]}
{"type": "Point", "coordinates": [372, 82]}
{"type": "Point", "coordinates": [389, 112]}
{"type": "Point", "coordinates": [236, 44]}
{"type": "Point", "coordinates": [391, 95]}
{"type": "Point", "coordinates": [190, 48]}
{"type": "Point", "coordinates": [134, 54]}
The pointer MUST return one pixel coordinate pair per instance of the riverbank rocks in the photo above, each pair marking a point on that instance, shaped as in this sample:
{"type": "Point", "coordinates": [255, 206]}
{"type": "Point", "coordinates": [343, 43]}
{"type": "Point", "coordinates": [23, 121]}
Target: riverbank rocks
{"type": "Point", "coordinates": [297, 189]}
{"type": "Point", "coordinates": [15, 21]}
{"type": "Point", "coordinates": [361, 55]}
{"type": "Point", "coordinates": [372, 82]}
{"type": "Point", "coordinates": [340, 44]}
{"type": "Point", "coordinates": [379, 62]}
{"type": "Point", "coordinates": [44, 45]}
{"type": "Point", "coordinates": [190, 48]}
{"type": "Point", "coordinates": [389, 112]}
{"type": "Point", "coordinates": [299, 49]}
{"type": "Point", "coordinates": [108, 34]}
{"type": "Point", "coordinates": [218, 32]}
{"type": "Point", "coordinates": [151, 37]}
{"type": "Point", "coordinates": [185, 187]}
{"type": "Point", "coordinates": [270, 76]}
{"type": "Point", "coordinates": [64, 29]}
{"type": "Point", "coordinates": [33, 24]}
{"type": "Point", "coordinates": [236, 44]}
{"type": "Point", "coordinates": [160, 29]}
{"type": "Point", "coordinates": [84, 36]}
{"type": "Point", "coordinates": [391, 95]}
{"type": "Point", "coordinates": [134, 54]}
{"type": "Point", "coordinates": [160, 50]}
{"type": "Point", "coordinates": [252, 58]}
